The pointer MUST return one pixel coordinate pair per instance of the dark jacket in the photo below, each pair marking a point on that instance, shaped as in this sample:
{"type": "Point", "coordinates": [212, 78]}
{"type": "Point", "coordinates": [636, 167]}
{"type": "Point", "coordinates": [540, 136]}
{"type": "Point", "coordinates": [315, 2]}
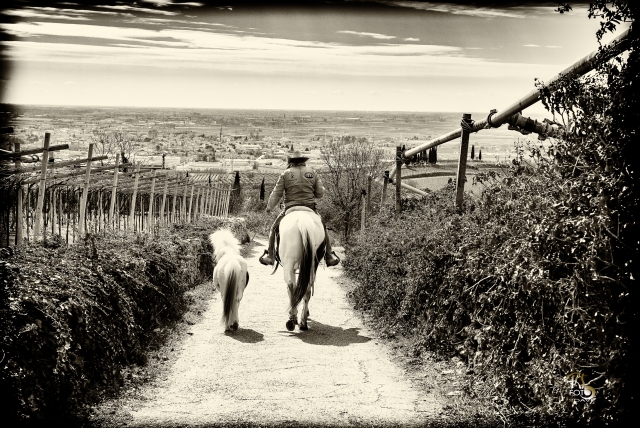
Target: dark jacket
{"type": "Point", "coordinates": [299, 184]}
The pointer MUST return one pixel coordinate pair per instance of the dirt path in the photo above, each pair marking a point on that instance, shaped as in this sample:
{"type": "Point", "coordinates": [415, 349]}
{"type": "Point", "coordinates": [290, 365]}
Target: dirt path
{"type": "Point", "coordinates": [335, 373]}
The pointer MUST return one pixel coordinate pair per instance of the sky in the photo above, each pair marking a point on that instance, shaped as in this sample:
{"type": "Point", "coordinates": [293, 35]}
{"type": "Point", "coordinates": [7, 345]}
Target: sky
{"type": "Point", "coordinates": [308, 55]}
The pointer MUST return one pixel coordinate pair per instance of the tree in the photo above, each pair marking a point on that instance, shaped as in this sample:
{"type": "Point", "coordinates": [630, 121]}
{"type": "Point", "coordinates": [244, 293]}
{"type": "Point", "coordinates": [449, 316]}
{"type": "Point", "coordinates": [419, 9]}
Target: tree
{"type": "Point", "coordinates": [102, 143]}
{"type": "Point", "coordinates": [349, 166]}
{"type": "Point", "coordinates": [473, 152]}
{"type": "Point", "coordinates": [235, 202]}
{"type": "Point", "coordinates": [124, 143]}
{"type": "Point", "coordinates": [480, 155]}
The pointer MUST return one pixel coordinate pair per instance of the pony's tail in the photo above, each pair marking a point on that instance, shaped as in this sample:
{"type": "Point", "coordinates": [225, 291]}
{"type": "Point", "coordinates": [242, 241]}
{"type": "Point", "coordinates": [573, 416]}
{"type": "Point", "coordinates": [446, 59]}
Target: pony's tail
{"type": "Point", "coordinates": [307, 270]}
{"type": "Point", "coordinates": [229, 297]}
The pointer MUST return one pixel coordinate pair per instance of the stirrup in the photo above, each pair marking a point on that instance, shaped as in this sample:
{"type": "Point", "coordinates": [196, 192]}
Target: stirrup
{"type": "Point", "coordinates": [332, 261]}
{"type": "Point", "coordinates": [264, 259]}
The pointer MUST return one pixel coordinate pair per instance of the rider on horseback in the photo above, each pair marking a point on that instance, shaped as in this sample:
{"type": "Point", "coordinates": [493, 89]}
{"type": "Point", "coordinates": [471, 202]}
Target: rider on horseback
{"type": "Point", "coordinates": [300, 186]}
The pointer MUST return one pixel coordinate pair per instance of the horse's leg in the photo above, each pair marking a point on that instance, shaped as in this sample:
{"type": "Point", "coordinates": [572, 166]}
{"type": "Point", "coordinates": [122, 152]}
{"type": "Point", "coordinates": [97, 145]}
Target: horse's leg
{"type": "Point", "coordinates": [290, 280]}
{"type": "Point", "coordinates": [233, 318]}
{"type": "Point", "coordinates": [305, 310]}
{"type": "Point", "coordinates": [216, 280]}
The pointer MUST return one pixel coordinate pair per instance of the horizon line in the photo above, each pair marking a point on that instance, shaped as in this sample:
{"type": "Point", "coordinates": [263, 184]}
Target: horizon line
{"type": "Point", "coordinates": [230, 108]}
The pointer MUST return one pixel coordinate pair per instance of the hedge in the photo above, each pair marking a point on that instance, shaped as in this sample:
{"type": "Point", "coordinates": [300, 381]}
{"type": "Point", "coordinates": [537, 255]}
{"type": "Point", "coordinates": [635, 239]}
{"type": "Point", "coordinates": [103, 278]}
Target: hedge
{"type": "Point", "coordinates": [73, 317]}
{"type": "Point", "coordinates": [520, 284]}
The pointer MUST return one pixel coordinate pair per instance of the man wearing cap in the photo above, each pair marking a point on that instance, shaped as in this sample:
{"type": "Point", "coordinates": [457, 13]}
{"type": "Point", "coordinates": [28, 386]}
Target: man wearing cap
{"type": "Point", "coordinates": [300, 186]}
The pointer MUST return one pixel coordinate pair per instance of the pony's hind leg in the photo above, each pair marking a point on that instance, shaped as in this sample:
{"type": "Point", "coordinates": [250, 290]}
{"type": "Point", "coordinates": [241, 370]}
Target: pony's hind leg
{"type": "Point", "coordinates": [305, 310]}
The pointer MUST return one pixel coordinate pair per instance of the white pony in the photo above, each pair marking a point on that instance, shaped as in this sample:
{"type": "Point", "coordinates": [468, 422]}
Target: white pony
{"type": "Point", "coordinates": [301, 246]}
{"type": "Point", "coordinates": [230, 276]}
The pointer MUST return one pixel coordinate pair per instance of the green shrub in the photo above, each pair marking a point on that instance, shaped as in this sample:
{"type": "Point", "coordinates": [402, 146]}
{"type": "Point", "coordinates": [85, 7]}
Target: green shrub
{"type": "Point", "coordinates": [73, 317]}
{"type": "Point", "coordinates": [520, 284]}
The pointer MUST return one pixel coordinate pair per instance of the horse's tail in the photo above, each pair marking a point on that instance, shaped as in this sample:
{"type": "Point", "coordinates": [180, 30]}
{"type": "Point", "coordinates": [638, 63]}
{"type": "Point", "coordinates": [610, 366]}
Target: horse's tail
{"type": "Point", "coordinates": [307, 272]}
{"type": "Point", "coordinates": [229, 296]}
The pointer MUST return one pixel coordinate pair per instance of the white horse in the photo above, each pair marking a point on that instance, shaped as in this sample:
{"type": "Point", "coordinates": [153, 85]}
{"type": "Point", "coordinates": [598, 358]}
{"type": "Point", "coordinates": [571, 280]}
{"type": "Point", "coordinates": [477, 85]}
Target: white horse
{"type": "Point", "coordinates": [230, 276]}
{"type": "Point", "coordinates": [301, 247]}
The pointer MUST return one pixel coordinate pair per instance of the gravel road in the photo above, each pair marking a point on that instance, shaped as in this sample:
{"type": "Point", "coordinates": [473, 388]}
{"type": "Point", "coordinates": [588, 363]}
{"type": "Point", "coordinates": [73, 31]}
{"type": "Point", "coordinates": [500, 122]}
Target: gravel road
{"type": "Point", "coordinates": [334, 374]}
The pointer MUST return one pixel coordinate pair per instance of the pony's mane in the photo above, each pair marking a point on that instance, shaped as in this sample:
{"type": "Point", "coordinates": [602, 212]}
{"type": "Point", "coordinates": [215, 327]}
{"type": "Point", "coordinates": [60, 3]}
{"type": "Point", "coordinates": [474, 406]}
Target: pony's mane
{"type": "Point", "coordinates": [224, 242]}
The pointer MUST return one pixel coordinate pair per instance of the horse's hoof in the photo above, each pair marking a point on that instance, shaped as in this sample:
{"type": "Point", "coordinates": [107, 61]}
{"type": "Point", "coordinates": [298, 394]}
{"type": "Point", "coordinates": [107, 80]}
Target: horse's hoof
{"type": "Point", "coordinates": [304, 327]}
{"type": "Point", "coordinates": [290, 325]}
{"type": "Point", "coordinates": [234, 326]}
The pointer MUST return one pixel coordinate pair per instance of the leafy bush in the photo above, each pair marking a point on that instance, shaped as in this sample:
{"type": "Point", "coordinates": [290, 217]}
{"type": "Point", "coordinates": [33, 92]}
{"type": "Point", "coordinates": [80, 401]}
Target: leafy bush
{"type": "Point", "coordinates": [536, 280]}
{"type": "Point", "coordinates": [73, 317]}
{"type": "Point", "coordinates": [516, 285]}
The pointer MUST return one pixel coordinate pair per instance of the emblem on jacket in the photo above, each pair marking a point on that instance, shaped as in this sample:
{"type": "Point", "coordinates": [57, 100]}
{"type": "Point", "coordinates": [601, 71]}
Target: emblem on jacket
{"type": "Point", "coordinates": [308, 175]}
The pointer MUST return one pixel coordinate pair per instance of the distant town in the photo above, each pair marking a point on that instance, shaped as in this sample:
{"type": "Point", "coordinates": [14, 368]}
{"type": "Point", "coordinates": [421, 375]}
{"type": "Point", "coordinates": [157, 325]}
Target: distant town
{"type": "Point", "coordinates": [230, 140]}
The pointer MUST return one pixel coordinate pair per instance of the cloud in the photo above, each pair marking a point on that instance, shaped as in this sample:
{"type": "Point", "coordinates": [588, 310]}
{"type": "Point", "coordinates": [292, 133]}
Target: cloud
{"type": "Point", "coordinates": [553, 47]}
{"type": "Point", "coordinates": [411, 39]}
{"type": "Point", "coordinates": [191, 49]}
{"type": "Point", "coordinates": [162, 3]}
{"type": "Point", "coordinates": [374, 35]}
{"type": "Point", "coordinates": [472, 10]}
{"type": "Point", "coordinates": [26, 29]}
{"type": "Point", "coordinates": [32, 14]}
{"type": "Point", "coordinates": [170, 22]}
{"type": "Point", "coordinates": [531, 46]}
{"type": "Point", "coordinates": [139, 9]}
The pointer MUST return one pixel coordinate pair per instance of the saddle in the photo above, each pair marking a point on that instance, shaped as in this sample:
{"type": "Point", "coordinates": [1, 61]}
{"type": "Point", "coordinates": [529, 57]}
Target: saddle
{"type": "Point", "coordinates": [298, 208]}
{"type": "Point", "coordinates": [276, 250]}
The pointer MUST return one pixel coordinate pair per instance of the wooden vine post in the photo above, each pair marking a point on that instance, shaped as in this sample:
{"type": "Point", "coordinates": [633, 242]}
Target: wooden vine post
{"type": "Point", "coordinates": [210, 204]}
{"type": "Point", "coordinates": [369, 179]}
{"type": "Point", "coordinates": [216, 197]}
{"type": "Point", "coordinates": [196, 205]}
{"type": "Point", "coordinates": [363, 217]}
{"type": "Point", "coordinates": [398, 180]}
{"type": "Point", "coordinates": [216, 205]}
{"type": "Point", "coordinates": [52, 210]}
{"type": "Point", "coordinates": [189, 211]}
{"type": "Point", "coordinates": [42, 186]}
{"type": "Point", "coordinates": [172, 216]}
{"type": "Point", "coordinates": [205, 202]}
{"type": "Point", "coordinates": [151, 197]}
{"type": "Point", "coordinates": [19, 213]}
{"type": "Point", "coordinates": [462, 163]}
{"type": "Point", "coordinates": [114, 191]}
{"type": "Point", "coordinates": [85, 194]}
{"type": "Point", "coordinates": [60, 214]}
{"type": "Point", "coordinates": [184, 202]}
{"type": "Point", "coordinates": [227, 205]}
{"type": "Point", "coordinates": [100, 211]}
{"type": "Point", "coordinates": [164, 200]}
{"type": "Point", "coordinates": [383, 199]}
{"type": "Point", "coordinates": [132, 212]}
